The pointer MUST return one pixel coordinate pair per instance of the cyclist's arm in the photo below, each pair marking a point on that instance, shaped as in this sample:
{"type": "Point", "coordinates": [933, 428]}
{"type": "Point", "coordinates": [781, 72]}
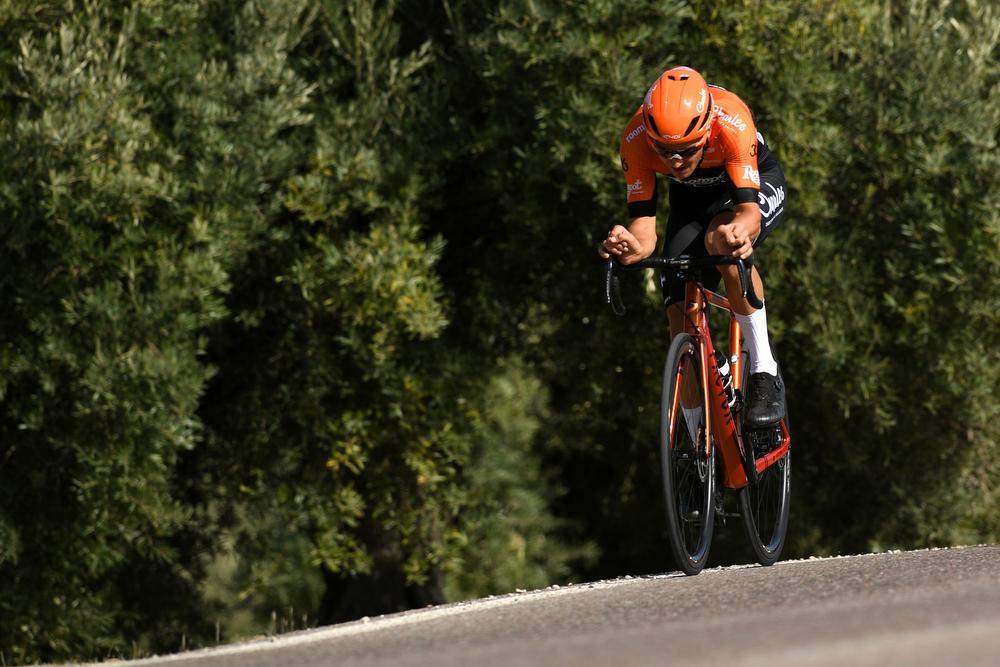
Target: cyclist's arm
{"type": "Point", "coordinates": [740, 148]}
{"type": "Point", "coordinates": [631, 244]}
{"type": "Point", "coordinates": [637, 241]}
{"type": "Point", "coordinates": [743, 230]}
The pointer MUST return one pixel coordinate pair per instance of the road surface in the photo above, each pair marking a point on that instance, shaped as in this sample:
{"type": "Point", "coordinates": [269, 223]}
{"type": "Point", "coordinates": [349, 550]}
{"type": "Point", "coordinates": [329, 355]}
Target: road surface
{"type": "Point", "coordinates": [933, 607]}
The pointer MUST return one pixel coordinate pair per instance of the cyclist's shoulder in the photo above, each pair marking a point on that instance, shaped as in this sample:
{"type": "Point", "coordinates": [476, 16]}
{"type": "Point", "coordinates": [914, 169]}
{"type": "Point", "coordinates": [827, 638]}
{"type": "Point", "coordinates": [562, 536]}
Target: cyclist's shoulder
{"type": "Point", "coordinates": [727, 99]}
{"type": "Point", "coordinates": [731, 112]}
{"type": "Point", "coordinates": [633, 145]}
{"type": "Point", "coordinates": [634, 130]}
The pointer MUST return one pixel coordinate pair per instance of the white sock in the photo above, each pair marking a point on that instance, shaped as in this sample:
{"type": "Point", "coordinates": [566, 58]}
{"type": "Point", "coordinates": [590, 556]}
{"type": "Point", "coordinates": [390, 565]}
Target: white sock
{"type": "Point", "coordinates": [755, 333]}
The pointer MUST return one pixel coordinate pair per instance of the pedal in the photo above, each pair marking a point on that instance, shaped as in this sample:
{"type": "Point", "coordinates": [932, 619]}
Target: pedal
{"type": "Point", "coordinates": [765, 440]}
{"type": "Point", "coordinates": [720, 511]}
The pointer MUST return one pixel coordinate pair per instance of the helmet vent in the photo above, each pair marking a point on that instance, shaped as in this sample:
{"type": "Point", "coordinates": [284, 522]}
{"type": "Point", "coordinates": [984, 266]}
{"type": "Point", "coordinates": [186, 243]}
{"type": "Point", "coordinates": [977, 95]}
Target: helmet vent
{"type": "Point", "coordinates": [691, 125]}
{"type": "Point", "coordinates": [682, 77]}
{"type": "Point", "coordinates": [652, 123]}
{"type": "Point", "coordinates": [704, 118]}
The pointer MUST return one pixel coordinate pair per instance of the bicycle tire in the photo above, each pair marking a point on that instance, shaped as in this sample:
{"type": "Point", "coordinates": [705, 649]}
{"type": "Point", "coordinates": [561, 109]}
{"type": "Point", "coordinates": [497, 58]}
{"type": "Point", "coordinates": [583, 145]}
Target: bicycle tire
{"type": "Point", "coordinates": [688, 473]}
{"type": "Point", "coordinates": [765, 503]}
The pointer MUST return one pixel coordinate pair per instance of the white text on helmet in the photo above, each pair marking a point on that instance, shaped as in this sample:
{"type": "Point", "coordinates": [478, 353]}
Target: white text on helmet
{"type": "Point", "coordinates": [649, 95]}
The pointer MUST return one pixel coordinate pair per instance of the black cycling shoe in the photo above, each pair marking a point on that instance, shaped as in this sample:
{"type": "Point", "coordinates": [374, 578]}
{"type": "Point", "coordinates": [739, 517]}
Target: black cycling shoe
{"type": "Point", "coordinates": [765, 401]}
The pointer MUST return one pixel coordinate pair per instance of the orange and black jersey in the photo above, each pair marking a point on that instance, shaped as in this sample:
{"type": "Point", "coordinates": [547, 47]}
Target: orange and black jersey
{"type": "Point", "coordinates": [733, 158]}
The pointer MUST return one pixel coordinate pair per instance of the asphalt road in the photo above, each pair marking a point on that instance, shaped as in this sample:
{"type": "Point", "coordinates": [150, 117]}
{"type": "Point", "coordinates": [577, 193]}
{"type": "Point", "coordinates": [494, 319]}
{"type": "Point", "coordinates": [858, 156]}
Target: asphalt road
{"type": "Point", "coordinates": [936, 607]}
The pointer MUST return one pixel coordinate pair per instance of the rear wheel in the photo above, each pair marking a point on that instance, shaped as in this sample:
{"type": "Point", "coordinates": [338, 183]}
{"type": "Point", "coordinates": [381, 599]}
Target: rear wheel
{"type": "Point", "coordinates": [764, 503]}
{"type": "Point", "coordinates": [688, 470]}
{"type": "Point", "coordinates": [764, 507]}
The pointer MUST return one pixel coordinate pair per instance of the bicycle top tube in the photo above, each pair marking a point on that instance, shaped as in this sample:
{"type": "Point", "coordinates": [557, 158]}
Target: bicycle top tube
{"type": "Point", "coordinates": [684, 265]}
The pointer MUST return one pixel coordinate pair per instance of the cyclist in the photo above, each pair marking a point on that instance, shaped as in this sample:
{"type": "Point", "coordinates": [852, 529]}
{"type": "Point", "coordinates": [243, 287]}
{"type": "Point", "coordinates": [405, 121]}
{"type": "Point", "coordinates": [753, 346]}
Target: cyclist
{"type": "Point", "coordinates": [726, 195]}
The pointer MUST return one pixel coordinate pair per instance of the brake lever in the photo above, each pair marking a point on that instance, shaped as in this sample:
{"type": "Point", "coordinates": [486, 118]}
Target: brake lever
{"type": "Point", "coordinates": [746, 283]}
{"type": "Point", "coordinates": [612, 288]}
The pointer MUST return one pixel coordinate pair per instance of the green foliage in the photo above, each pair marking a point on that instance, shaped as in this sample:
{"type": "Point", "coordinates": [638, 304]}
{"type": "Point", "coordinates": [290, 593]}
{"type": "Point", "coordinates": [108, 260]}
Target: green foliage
{"type": "Point", "coordinates": [550, 89]}
{"type": "Point", "coordinates": [352, 441]}
{"type": "Point", "coordinates": [885, 281]}
{"type": "Point", "coordinates": [937, 272]}
{"type": "Point", "coordinates": [121, 230]}
{"type": "Point", "coordinates": [509, 534]}
{"type": "Point", "coordinates": [336, 298]}
{"type": "Point", "coordinates": [301, 315]}
{"type": "Point", "coordinates": [105, 291]}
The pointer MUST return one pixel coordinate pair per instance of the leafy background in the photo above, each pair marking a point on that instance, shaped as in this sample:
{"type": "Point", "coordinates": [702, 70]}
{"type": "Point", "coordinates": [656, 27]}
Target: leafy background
{"type": "Point", "coordinates": [301, 312]}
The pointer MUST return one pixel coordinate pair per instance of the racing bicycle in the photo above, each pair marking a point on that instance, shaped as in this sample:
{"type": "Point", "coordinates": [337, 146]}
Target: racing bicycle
{"type": "Point", "coordinates": [705, 450]}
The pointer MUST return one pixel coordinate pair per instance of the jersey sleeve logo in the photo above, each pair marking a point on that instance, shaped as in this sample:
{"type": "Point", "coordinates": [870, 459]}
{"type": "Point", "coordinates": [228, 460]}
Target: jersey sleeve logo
{"type": "Point", "coordinates": [733, 120]}
{"type": "Point", "coordinates": [771, 204]}
{"type": "Point", "coordinates": [752, 175]}
{"type": "Point", "coordinates": [635, 133]}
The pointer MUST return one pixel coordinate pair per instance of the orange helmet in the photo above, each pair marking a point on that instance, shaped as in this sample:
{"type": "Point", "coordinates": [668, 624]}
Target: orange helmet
{"type": "Point", "coordinates": [678, 107]}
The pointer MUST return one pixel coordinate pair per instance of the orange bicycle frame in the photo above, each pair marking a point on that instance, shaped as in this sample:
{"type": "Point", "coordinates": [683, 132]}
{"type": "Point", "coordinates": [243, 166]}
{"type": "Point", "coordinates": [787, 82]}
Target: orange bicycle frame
{"type": "Point", "coordinates": [722, 430]}
{"type": "Point", "coordinates": [722, 423]}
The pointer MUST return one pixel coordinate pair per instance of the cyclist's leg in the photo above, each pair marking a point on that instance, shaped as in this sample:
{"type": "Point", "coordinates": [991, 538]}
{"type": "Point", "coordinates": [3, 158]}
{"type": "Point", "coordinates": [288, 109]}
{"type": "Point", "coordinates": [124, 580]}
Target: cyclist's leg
{"type": "Point", "coordinates": [765, 393]}
{"type": "Point", "coordinates": [690, 212]}
{"type": "Point", "coordinates": [716, 245]}
{"type": "Point", "coordinates": [771, 201]}
{"type": "Point", "coordinates": [684, 236]}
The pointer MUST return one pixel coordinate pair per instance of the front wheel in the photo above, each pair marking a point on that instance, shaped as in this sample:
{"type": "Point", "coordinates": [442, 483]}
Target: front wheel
{"type": "Point", "coordinates": [688, 469]}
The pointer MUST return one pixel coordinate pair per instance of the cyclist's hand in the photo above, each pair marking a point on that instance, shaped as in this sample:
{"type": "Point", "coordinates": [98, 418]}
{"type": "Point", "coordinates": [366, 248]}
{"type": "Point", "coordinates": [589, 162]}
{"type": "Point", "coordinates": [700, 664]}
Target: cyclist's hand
{"type": "Point", "coordinates": [622, 244]}
{"type": "Point", "coordinates": [738, 239]}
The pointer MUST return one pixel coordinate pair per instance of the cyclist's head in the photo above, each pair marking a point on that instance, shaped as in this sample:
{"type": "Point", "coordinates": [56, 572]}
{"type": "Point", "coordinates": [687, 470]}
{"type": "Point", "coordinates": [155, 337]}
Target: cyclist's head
{"type": "Point", "coordinates": [678, 108]}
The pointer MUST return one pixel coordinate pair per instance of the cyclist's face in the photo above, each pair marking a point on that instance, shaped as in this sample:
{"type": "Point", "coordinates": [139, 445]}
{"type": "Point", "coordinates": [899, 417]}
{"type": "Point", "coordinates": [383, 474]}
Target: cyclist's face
{"type": "Point", "coordinates": [682, 160]}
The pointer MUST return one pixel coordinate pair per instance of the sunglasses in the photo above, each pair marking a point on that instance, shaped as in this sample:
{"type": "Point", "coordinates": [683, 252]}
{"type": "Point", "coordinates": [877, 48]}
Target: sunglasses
{"type": "Point", "coordinates": [671, 152]}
